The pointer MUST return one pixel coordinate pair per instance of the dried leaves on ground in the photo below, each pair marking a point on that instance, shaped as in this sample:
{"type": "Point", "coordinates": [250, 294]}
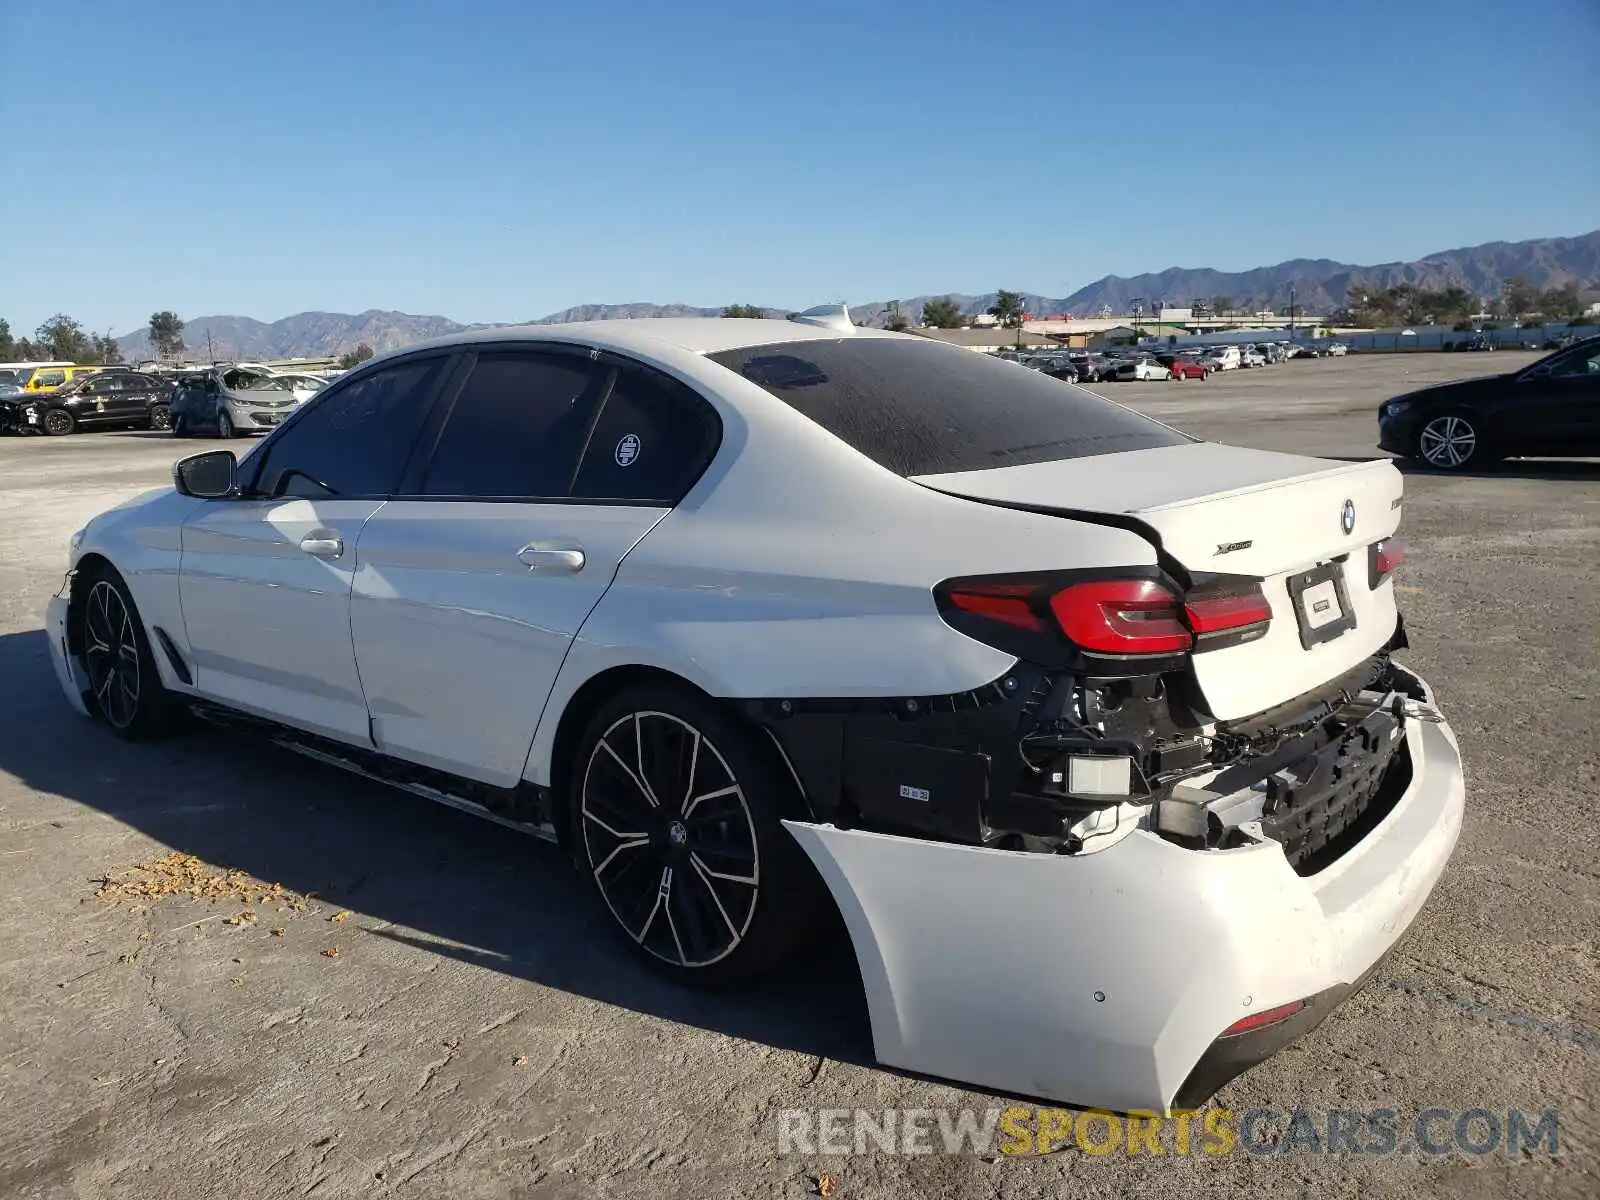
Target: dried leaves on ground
{"type": "Point", "coordinates": [179, 874]}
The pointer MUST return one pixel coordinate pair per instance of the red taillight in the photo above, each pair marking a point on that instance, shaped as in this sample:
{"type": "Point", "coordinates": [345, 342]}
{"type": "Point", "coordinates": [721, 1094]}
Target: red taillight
{"type": "Point", "coordinates": [1241, 612]}
{"type": "Point", "coordinates": [1007, 602]}
{"type": "Point", "coordinates": [1121, 616]}
{"type": "Point", "coordinates": [1382, 559]}
{"type": "Point", "coordinates": [1260, 1020]}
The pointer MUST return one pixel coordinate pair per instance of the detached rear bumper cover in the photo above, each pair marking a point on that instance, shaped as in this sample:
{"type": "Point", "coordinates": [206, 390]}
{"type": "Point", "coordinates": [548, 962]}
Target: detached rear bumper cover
{"type": "Point", "coordinates": [1105, 978]}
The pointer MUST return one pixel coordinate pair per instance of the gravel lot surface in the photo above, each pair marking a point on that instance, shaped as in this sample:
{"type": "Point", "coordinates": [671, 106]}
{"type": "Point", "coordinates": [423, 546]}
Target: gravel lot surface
{"type": "Point", "coordinates": [471, 1029]}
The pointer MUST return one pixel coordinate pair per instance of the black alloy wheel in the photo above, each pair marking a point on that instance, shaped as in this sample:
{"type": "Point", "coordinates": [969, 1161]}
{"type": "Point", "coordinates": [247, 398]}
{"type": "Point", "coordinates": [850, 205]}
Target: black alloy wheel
{"type": "Point", "coordinates": [160, 416]}
{"type": "Point", "coordinates": [125, 689]}
{"type": "Point", "coordinates": [57, 422]}
{"type": "Point", "coordinates": [677, 820]}
{"type": "Point", "coordinates": [1450, 442]}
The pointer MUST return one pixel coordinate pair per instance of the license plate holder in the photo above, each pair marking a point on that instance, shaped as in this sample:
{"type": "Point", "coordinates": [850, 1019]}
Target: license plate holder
{"type": "Point", "coordinates": [1321, 604]}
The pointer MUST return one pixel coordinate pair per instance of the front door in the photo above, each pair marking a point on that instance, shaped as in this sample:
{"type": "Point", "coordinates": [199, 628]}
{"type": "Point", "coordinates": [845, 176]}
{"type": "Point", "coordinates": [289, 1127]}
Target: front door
{"type": "Point", "coordinates": [266, 600]}
{"type": "Point", "coordinates": [474, 582]}
{"type": "Point", "coordinates": [266, 578]}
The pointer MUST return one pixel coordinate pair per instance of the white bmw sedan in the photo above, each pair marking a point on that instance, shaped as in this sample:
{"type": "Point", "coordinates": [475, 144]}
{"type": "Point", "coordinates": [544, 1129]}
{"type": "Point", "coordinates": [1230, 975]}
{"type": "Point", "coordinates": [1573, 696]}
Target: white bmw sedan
{"type": "Point", "coordinates": [1094, 733]}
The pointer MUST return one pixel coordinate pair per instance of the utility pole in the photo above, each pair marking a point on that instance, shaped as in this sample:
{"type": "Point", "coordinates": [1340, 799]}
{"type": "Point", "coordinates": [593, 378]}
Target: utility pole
{"type": "Point", "coordinates": [1291, 312]}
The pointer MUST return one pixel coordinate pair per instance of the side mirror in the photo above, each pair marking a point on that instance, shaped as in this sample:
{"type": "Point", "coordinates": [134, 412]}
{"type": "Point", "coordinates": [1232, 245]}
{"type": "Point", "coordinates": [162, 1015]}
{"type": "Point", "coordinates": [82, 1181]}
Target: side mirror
{"type": "Point", "coordinates": [211, 475]}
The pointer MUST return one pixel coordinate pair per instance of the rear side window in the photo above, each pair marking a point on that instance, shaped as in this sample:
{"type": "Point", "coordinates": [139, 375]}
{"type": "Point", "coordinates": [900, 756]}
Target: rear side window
{"type": "Point", "coordinates": [352, 441]}
{"type": "Point", "coordinates": [923, 408]}
{"type": "Point", "coordinates": [516, 429]}
{"type": "Point", "coordinates": [653, 440]}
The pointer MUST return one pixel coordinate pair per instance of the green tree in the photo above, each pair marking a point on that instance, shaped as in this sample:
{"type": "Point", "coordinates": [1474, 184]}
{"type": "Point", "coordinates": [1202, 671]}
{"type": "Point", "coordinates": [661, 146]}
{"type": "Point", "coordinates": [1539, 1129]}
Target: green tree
{"type": "Point", "coordinates": [744, 310]}
{"type": "Point", "coordinates": [1221, 306]}
{"type": "Point", "coordinates": [63, 338]}
{"type": "Point", "coordinates": [1561, 303]}
{"type": "Point", "coordinates": [1008, 309]}
{"type": "Point", "coordinates": [359, 355]}
{"type": "Point", "coordinates": [8, 344]}
{"type": "Point", "coordinates": [104, 350]}
{"type": "Point", "coordinates": [1517, 297]}
{"type": "Point", "coordinates": [166, 333]}
{"type": "Point", "coordinates": [943, 312]}
{"type": "Point", "coordinates": [896, 322]}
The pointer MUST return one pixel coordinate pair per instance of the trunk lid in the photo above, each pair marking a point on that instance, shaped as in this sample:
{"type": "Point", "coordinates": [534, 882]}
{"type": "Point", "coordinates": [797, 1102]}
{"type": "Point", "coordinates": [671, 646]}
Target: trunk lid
{"type": "Point", "coordinates": [1230, 510]}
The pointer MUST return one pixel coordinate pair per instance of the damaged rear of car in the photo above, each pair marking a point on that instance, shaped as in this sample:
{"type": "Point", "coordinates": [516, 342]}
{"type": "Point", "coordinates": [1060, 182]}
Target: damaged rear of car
{"type": "Point", "coordinates": [1195, 812]}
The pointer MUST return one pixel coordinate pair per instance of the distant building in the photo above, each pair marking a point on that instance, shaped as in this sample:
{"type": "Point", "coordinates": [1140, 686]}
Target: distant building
{"type": "Point", "coordinates": [989, 340]}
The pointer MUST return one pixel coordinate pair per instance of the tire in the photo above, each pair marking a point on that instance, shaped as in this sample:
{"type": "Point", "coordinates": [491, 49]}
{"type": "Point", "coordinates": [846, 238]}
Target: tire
{"type": "Point", "coordinates": [125, 689]}
{"type": "Point", "coordinates": [1451, 441]}
{"type": "Point", "coordinates": [58, 422]}
{"type": "Point", "coordinates": [160, 416]}
{"type": "Point", "coordinates": [681, 839]}
{"type": "Point", "coordinates": [225, 427]}
{"type": "Point", "coordinates": [180, 426]}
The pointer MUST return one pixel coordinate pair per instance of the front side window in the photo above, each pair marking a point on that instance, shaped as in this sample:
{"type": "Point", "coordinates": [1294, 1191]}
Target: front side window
{"type": "Point", "coordinates": [653, 440]}
{"type": "Point", "coordinates": [1577, 365]}
{"type": "Point", "coordinates": [516, 429]}
{"type": "Point", "coordinates": [923, 408]}
{"type": "Point", "coordinates": [353, 441]}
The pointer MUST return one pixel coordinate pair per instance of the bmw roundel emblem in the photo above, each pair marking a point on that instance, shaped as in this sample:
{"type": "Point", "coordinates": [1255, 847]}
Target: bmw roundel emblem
{"type": "Point", "coordinates": [1347, 516]}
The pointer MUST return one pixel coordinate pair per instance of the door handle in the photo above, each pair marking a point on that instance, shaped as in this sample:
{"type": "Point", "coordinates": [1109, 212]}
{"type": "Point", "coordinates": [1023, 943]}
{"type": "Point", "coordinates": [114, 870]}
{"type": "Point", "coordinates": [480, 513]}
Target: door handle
{"type": "Point", "coordinates": [322, 543]}
{"type": "Point", "coordinates": [552, 558]}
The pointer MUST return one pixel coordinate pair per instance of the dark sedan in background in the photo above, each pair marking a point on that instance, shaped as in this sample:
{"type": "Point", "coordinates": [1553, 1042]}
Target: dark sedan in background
{"type": "Point", "coordinates": [1549, 409]}
{"type": "Point", "coordinates": [110, 397]}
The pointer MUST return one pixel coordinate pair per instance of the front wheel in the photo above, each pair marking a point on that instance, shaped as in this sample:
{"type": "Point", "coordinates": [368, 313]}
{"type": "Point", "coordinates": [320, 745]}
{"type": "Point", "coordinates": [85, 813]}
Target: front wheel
{"type": "Point", "coordinates": [126, 691]}
{"type": "Point", "coordinates": [676, 819]}
{"type": "Point", "coordinates": [225, 427]}
{"type": "Point", "coordinates": [58, 422]}
{"type": "Point", "coordinates": [1450, 442]}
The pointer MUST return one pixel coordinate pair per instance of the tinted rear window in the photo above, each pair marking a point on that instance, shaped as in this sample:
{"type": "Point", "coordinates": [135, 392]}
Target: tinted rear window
{"type": "Point", "coordinates": [922, 408]}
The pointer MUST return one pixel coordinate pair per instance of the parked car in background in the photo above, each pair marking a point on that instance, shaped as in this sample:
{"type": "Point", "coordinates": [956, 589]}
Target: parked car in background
{"type": "Point", "coordinates": [1180, 367]}
{"type": "Point", "coordinates": [48, 379]}
{"type": "Point", "coordinates": [1475, 342]}
{"type": "Point", "coordinates": [1222, 358]}
{"type": "Point", "coordinates": [1249, 356]}
{"type": "Point", "coordinates": [1560, 341]}
{"type": "Point", "coordinates": [304, 386]}
{"type": "Point", "coordinates": [1091, 368]}
{"type": "Point", "coordinates": [229, 401]}
{"type": "Point", "coordinates": [1549, 408]}
{"type": "Point", "coordinates": [1143, 367]}
{"type": "Point", "coordinates": [1337, 349]}
{"type": "Point", "coordinates": [10, 401]}
{"type": "Point", "coordinates": [113, 397]}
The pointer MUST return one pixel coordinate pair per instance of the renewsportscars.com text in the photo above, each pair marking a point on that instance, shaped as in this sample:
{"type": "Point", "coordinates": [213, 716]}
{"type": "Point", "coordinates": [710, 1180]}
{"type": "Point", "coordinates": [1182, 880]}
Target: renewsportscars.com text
{"type": "Point", "coordinates": [1264, 1131]}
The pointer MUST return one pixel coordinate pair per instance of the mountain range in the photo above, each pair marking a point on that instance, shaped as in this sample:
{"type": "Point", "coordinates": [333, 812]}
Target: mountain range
{"type": "Point", "coordinates": [1320, 285]}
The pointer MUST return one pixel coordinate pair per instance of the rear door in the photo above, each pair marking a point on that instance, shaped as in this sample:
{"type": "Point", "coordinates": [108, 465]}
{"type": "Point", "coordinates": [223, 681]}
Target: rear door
{"type": "Point", "coordinates": [549, 467]}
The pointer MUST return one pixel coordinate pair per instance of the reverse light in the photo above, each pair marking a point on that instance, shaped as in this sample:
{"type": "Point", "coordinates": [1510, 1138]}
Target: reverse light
{"type": "Point", "coordinates": [1383, 558]}
{"type": "Point", "coordinates": [1263, 1019]}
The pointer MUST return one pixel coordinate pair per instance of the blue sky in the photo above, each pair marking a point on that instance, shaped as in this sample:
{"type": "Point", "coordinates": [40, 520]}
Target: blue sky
{"type": "Point", "coordinates": [497, 160]}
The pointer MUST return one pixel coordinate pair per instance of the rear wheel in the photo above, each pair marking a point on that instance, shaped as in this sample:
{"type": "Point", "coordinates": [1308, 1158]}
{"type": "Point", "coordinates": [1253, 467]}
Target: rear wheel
{"type": "Point", "coordinates": [160, 416]}
{"type": "Point", "coordinates": [57, 422]}
{"type": "Point", "coordinates": [675, 817]}
{"type": "Point", "coordinates": [1451, 442]}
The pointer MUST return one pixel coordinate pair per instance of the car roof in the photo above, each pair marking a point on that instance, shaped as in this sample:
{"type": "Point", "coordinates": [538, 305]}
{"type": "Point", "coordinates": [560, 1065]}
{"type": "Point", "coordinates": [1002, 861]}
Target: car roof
{"type": "Point", "coordinates": [698, 335]}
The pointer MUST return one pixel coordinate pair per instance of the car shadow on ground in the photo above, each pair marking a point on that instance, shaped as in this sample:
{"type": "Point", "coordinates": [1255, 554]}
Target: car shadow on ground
{"type": "Point", "coordinates": [1581, 470]}
{"type": "Point", "coordinates": [449, 883]}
